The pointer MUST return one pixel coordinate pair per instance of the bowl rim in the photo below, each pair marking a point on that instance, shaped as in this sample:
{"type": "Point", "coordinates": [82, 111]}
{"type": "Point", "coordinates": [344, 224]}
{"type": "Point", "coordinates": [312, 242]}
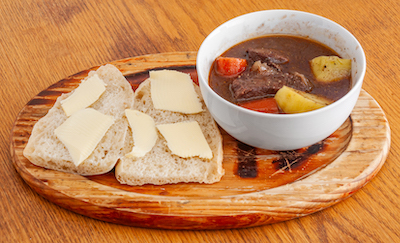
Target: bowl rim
{"type": "Point", "coordinates": [355, 88]}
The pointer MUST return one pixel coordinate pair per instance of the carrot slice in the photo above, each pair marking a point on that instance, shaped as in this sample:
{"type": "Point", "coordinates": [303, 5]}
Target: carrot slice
{"type": "Point", "coordinates": [230, 66]}
{"type": "Point", "coordinates": [266, 105]}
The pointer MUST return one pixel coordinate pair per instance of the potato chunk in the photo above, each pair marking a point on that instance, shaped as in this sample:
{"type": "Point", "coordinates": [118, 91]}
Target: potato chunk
{"type": "Point", "coordinates": [292, 101]}
{"type": "Point", "coordinates": [330, 68]}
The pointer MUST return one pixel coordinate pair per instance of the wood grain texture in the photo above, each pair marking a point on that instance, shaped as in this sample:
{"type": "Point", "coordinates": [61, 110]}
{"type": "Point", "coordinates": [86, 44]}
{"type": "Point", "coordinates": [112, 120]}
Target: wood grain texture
{"type": "Point", "coordinates": [43, 41]}
{"type": "Point", "coordinates": [273, 187]}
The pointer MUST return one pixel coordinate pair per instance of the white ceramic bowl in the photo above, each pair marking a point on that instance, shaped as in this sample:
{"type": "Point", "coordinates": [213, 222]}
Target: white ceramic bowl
{"type": "Point", "coordinates": [280, 131]}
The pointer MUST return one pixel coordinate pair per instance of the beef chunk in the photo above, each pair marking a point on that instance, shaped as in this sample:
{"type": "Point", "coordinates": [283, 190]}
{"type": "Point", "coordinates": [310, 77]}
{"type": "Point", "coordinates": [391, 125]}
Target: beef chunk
{"type": "Point", "coordinates": [266, 77]}
{"type": "Point", "coordinates": [269, 56]}
{"type": "Point", "coordinates": [264, 80]}
{"type": "Point", "coordinates": [256, 86]}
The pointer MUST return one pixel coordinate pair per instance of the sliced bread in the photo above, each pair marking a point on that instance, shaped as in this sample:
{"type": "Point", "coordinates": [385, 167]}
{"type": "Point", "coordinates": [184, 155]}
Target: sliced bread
{"type": "Point", "coordinates": [160, 166]}
{"type": "Point", "coordinates": [46, 150]}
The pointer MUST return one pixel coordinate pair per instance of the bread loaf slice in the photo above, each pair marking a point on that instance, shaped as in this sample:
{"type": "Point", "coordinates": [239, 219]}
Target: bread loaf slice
{"type": "Point", "coordinates": [160, 166]}
{"type": "Point", "coordinates": [46, 150]}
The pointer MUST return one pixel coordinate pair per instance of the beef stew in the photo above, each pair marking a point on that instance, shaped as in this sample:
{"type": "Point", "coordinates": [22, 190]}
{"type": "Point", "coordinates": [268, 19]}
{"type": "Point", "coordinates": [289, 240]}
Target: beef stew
{"type": "Point", "coordinates": [264, 65]}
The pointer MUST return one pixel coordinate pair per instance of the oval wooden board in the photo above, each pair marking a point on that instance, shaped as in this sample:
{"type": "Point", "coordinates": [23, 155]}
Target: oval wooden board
{"type": "Point", "coordinates": [259, 187]}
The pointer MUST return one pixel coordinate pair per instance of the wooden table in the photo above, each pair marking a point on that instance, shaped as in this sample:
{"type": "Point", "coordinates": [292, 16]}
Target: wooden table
{"type": "Point", "coordinates": [42, 42]}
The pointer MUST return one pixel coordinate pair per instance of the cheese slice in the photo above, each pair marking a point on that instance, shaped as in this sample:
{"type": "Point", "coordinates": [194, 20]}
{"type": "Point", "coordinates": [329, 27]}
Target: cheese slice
{"type": "Point", "coordinates": [86, 94]}
{"type": "Point", "coordinates": [186, 139]}
{"type": "Point", "coordinates": [172, 90]}
{"type": "Point", "coordinates": [144, 132]}
{"type": "Point", "coordinates": [82, 131]}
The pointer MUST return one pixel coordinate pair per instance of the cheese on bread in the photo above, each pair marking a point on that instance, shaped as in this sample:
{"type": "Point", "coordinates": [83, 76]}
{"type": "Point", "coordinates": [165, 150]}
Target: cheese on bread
{"type": "Point", "coordinates": [82, 131]}
{"type": "Point", "coordinates": [143, 131]}
{"type": "Point", "coordinates": [174, 91]}
{"type": "Point", "coordinates": [186, 139]}
{"type": "Point", "coordinates": [86, 94]}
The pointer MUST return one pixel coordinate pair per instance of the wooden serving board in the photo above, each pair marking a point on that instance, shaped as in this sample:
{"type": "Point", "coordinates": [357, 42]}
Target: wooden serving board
{"type": "Point", "coordinates": [259, 187]}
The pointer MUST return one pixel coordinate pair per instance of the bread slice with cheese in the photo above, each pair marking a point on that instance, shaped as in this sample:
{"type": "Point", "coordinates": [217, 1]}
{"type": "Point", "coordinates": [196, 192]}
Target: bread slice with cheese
{"type": "Point", "coordinates": [45, 149]}
{"type": "Point", "coordinates": [160, 165]}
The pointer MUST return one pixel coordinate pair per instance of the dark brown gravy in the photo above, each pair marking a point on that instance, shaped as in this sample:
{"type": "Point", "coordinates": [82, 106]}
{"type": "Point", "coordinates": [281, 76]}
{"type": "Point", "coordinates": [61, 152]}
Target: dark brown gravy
{"type": "Point", "coordinates": [300, 51]}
